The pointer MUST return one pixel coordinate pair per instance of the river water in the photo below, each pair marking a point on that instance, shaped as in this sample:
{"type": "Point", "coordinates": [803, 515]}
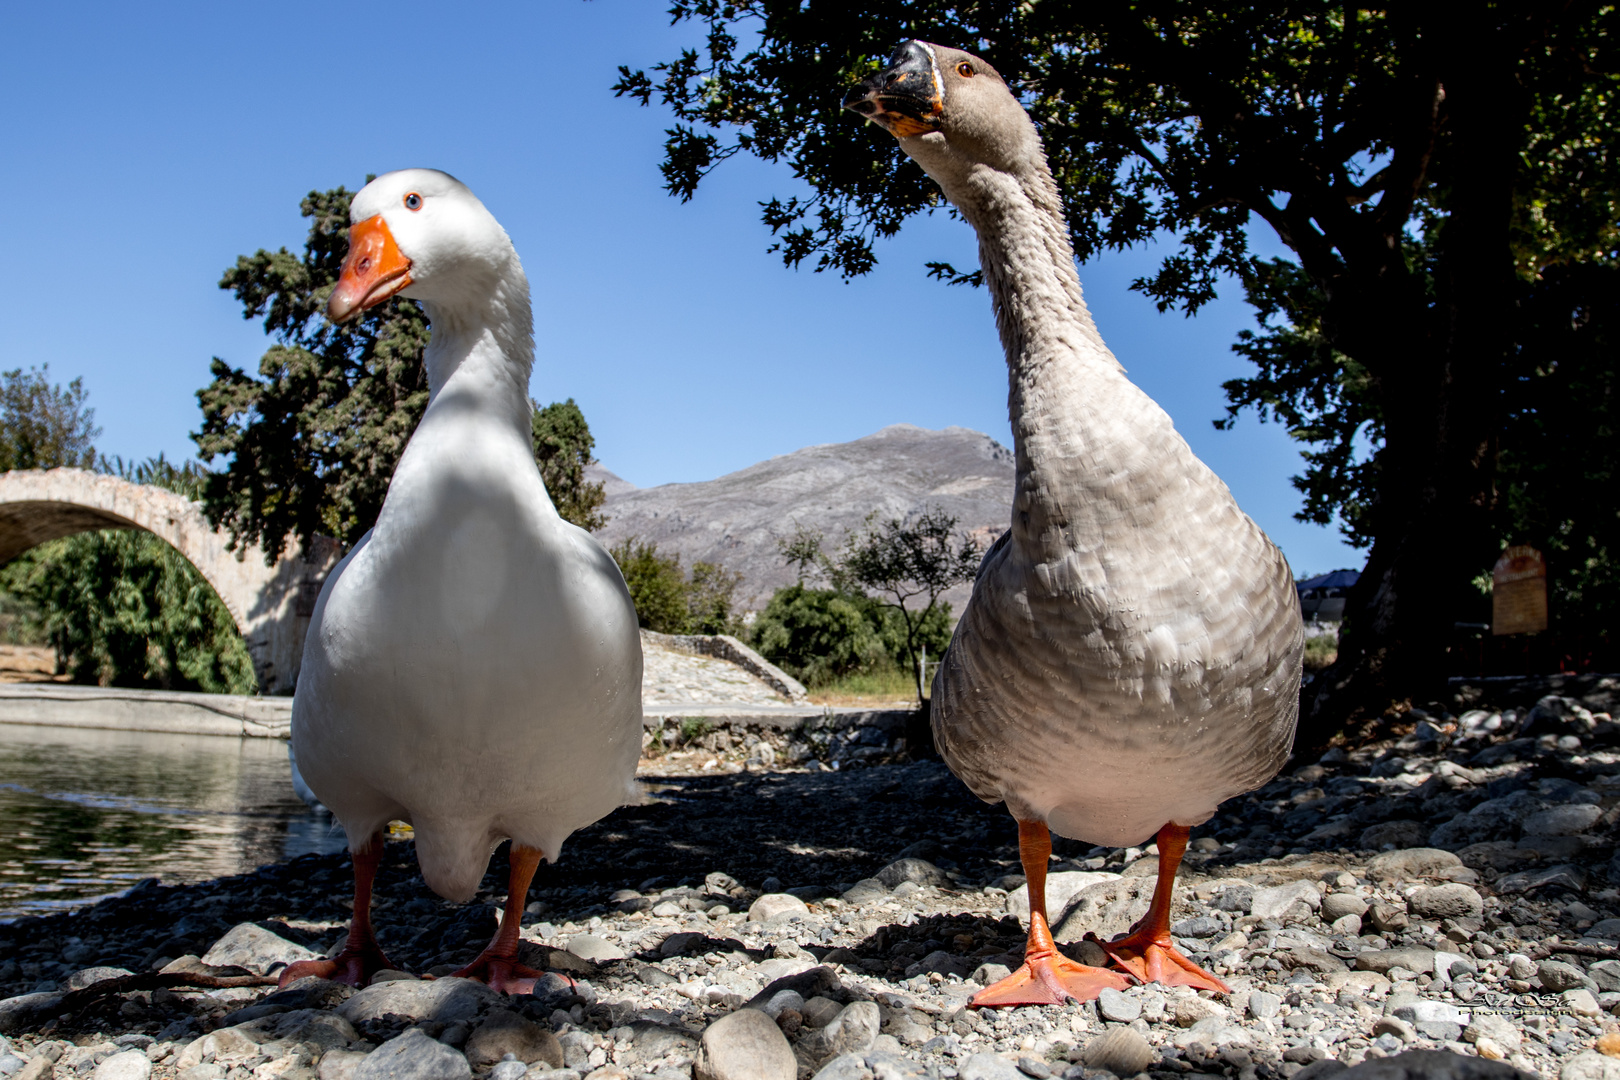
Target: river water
{"type": "Point", "coordinates": [85, 814]}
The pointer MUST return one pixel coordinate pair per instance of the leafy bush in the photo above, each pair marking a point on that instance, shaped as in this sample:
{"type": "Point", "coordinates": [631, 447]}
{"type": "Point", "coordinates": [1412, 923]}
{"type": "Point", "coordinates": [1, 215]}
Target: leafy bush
{"type": "Point", "coordinates": [823, 635]}
{"type": "Point", "coordinates": [667, 601]}
{"type": "Point", "coordinates": [656, 583]}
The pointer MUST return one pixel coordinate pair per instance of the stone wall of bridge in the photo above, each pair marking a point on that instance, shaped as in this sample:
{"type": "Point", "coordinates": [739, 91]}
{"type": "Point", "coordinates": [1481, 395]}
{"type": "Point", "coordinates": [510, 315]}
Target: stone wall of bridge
{"type": "Point", "coordinates": [271, 604]}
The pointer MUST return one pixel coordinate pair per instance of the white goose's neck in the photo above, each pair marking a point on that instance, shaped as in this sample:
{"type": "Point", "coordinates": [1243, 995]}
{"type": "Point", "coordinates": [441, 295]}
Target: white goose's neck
{"type": "Point", "coordinates": [482, 352]}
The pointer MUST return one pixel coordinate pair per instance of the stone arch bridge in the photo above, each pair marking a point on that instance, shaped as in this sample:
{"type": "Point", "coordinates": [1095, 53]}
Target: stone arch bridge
{"type": "Point", "coordinates": [271, 604]}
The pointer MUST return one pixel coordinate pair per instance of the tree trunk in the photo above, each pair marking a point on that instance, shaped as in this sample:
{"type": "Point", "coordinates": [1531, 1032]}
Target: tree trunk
{"type": "Point", "coordinates": [1440, 383]}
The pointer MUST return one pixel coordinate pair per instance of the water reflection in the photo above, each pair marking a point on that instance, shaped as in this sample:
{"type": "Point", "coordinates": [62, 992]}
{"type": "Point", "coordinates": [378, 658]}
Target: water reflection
{"type": "Point", "coordinates": [84, 814]}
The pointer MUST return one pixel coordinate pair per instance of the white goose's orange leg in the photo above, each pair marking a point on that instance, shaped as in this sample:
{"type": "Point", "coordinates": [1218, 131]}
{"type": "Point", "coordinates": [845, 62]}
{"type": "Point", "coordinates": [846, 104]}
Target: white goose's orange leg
{"type": "Point", "coordinates": [497, 965]}
{"type": "Point", "coordinates": [1047, 977]}
{"type": "Point", "coordinates": [1147, 951]}
{"type": "Point", "coordinates": [361, 956]}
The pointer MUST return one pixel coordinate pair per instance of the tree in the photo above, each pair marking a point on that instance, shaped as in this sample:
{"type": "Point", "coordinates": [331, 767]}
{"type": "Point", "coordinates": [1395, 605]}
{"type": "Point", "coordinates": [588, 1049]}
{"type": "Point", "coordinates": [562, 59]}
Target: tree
{"type": "Point", "coordinates": [910, 562]}
{"type": "Point", "coordinates": [904, 560]}
{"type": "Point", "coordinates": [311, 442]}
{"type": "Point", "coordinates": [819, 635]}
{"type": "Point", "coordinates": [711, 599]}
{"type": "Point", "coordinates": [667, 601]}
{"type": "Point", "coordinates": [43, 425]}
{"type": "Point", "coordinates": [563, 445]}
{"type": "Point", "coordinates": [123, 608]}
{"type": "Point", "coordinates": [657, 585]}
{"type": "Point", "coordinates": [1424, 165]}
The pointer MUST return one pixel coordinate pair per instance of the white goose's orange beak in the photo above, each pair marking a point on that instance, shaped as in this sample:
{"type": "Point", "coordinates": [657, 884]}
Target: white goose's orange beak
{"type": "Point", "coordinates": [375, 270]}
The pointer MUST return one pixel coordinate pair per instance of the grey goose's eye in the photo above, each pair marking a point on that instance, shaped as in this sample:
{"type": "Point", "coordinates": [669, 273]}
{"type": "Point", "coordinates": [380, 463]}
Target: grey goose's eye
{"type": "Point", "coordinates": [965, 70]}
{"type": "Point", "coordinates": [413, 201]}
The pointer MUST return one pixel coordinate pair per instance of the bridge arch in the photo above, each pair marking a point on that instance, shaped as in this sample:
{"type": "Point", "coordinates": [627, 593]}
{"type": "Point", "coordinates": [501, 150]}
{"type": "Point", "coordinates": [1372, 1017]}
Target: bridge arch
{"type": "Point", "coordinates": [270, 604]}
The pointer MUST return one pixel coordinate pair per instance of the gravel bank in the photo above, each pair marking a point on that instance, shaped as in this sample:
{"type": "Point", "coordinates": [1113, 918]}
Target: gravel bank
{"type": "Point", "coordinates": [1447, 888]}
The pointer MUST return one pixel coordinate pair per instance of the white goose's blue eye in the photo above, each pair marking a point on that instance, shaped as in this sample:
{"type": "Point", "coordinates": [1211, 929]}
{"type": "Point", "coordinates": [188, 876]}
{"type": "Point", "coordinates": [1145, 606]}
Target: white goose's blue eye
{"type": "Point", "coordinates": [413, 201]}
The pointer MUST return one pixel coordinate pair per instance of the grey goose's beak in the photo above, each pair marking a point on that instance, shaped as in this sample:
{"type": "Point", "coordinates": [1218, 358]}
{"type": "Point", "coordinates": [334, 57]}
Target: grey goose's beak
{"type": "Point", "coordinates": [907, 98]}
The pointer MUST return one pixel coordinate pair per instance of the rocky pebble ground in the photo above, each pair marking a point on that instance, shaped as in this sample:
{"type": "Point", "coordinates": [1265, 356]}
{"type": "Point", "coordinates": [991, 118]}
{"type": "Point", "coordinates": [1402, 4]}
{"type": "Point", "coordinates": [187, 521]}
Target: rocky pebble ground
{"type": "Point", "coordinates": [1440, 901]}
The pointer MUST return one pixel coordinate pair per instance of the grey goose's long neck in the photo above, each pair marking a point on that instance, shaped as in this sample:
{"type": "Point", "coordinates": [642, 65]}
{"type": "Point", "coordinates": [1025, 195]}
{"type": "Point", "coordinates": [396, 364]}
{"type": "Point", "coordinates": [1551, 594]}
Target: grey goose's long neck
{"type": "Point", "coordinates": [1065, 387]}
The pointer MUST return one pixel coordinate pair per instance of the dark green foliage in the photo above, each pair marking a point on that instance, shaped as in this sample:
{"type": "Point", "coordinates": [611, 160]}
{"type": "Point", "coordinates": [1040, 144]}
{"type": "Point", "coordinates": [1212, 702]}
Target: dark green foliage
{"type": "Point", "coordinates": [311, 442]}
{"type": "Point", "coordinates": [823, 634]}
{"type": "Point", "coordinates": [44, 426]}
{"type": "Point", "coordinates": [123, 608]}
{"type": "Point", "coordinates": [1432, 172]}
{"type": "Point", "coordinates": [711, 599]}
{"type": "Point", "coordinates": [1557, 469]}
{"type": "Point", "coordinates": [818, 635]}
{"type": "Point", "coordinates": [908, 563]}
{"type": "Point", "coordinates": [667, 601]}
{"type": "Point", "coordinates": [563, 445]}
{"type": "Point", "coordinates": [657, 585]}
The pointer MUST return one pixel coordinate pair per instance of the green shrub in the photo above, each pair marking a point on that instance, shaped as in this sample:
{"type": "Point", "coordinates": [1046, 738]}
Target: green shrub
{"type": "Point", "coordinates": [123, 608]}
{"type": "Point", "coordinates": [667, 601]}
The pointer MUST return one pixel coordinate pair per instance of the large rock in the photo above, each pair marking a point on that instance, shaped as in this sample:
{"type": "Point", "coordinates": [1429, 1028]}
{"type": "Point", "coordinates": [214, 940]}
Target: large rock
{"type": "Point", "coordinates": [505, 1032]}
{"type": "Point", "coordinates": [1275, 902]}
{"type": "Point", "coordinates": [1569, 820]}
{"type": "Point", "coordinates": [916, 871]}
{"type": "Point", "coordinates": [90, 976]}
{"type": "Point", "coordinates": [17, 1012]}
{"type": "Point", "coordinates": [1107, 909]}
{"type": "Point", "coordinates": [1411, 863]}
{"type": "Point", "coordinates": [1411, 957]}
{"type": "Point", "coordinates": [318, 1027]}
{"type": "Point", "coordinates": [744, 1045]}
{"type": "Point", "coordinates": [1432, 1065]}
{"type": "Point", "coordinates": [1120, 1050]}
{"type": "Point", "coordinates": [773, 906]}
{"type": "Point", "coordinates": [1061, 888]}
{"type": "Point", "coordinates": [1338, 905]}
{"type": "Point", "coordinates": [1453, 901]}
{"type": "Point", "coordinates": [852, 1031]}
{"type": "Point", "coordinates": [598, 950]}
{"type": "Point", "coordinates": [441, 1001]}
{"type": "Point", "coordinates": [128, 1065]}
{"type": "Point", "coordinates": [413, 1056]}
{"type": "Point", "coordinates": [984, 1066]}
{"type": "Point", "coordinates": [248, 945]}
{"type": "Point", "coordinates": [1590, 1065]}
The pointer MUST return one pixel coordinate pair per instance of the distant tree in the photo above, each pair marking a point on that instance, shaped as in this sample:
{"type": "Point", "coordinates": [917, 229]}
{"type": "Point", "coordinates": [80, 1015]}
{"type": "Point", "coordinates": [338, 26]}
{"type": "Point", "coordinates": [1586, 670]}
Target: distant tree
{"type": "Point", "coordinates": [657, 585]}
{"type": "Point", "coordinates": [311, 442]}
{"type": "Point", "coordinates": [563, 445]}
{"type": "Point", "coordinates": [123, 608]}
{"type": "Point", "coordinates": [818, 635]}
{"type": "Point", "coordinates": [667, 600]}
{"type": "Point", "coordinates": [909, 563]}
{"type": "Point", "coordinates": [711, 599]}
{"type": "Point", "coordinates": [44, 425]}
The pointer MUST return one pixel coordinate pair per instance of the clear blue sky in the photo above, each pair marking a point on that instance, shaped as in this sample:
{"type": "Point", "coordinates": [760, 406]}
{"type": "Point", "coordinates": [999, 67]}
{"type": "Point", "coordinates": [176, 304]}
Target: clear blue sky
{"type": "Point", "coordinates": [149, 145]}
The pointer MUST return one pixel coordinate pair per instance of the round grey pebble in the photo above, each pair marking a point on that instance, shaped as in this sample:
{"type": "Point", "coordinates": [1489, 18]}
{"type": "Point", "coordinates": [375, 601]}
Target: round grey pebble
{"type": "Point", "coordinates": [1451, 901]}
{"type": "Point", "coordinates": [1118, 1006]}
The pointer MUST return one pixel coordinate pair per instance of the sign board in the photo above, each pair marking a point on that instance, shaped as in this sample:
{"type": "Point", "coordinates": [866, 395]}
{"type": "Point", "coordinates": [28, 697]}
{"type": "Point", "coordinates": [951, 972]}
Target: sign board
{"type": "Point", "coordinates": [1519, 592]}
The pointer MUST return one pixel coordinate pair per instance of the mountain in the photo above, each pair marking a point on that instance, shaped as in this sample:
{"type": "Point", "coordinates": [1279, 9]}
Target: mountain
{"type": "Point", "coordinates": [737, 519]}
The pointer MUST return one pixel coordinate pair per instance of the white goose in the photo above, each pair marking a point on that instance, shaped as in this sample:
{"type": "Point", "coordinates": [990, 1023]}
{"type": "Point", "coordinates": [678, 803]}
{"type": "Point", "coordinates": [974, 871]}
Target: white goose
{"type": "Point", "coordinates": [1130, 656]}
{"type": "Point", "coordinates": [473, 666]}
